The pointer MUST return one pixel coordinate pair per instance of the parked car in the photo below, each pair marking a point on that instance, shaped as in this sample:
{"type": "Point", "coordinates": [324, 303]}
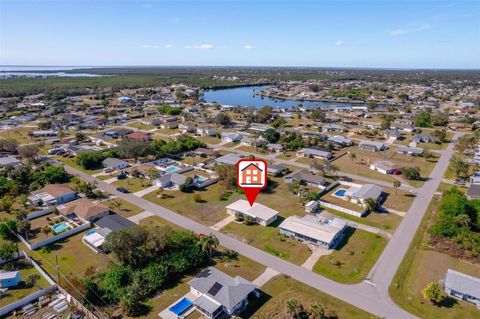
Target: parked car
{"type": "Point", "coordinates": [123, 190]}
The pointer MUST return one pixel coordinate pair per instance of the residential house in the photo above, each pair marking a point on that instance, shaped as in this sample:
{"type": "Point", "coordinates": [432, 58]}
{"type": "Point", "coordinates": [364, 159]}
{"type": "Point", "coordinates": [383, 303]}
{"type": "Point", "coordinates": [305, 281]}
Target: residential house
{"type": "Point", "coordinates": [220, 296]}
{"type": "Point", "coordinates": [313, 152]}
{"type": "Point", "coordinates": [412, 151]}
{"type": "Point", "coordinates": [276, 170]}
{"type": "Point", "coordinates": [325, 234]}
{"type": "Point", "coordinates": [52, 194]}
{"type": "Point", "coordinates": [311, 206]}
{"type": "Point", "coordinates": [117, 133]}
{"type": "Point", "coordinates": [104, 226]}
{"type": "Point", "coordinates": [385, 167]}
{"type": "Point", "coordinates": [114, 164]}
{"type": "Point", "coordinates": [423, 138]}
{"type": "Point", "coordinates": [333, 128]}
{"type": "Point", "coordinates": [305, 177]}
{"type": "Point", "coordinates": [372, 146]}
{"type": "Point", "coordinates": [273, 147]}
{"type": "Point", "coordinates": [229, 159]}
{"type": "Point", "coordinates": [261, 214]}
{"type": "Point", "coordinates": [206, 130]}
{"type": "Point", "coordinates": [45, 133]}
{"type": "Point", "coordinates": [340, 141]}
{"type": "Point", "coordinates": [170, 180]}
{"type": "Point", "coordinates": [392, 134]}
{"type": "Point", "coordinates": [359, 194]}
{"type": "Point", "coordinates": [462, 286]}
{"type": "Point", "coordinates": [231, 137]}
{"type": "Point", "coordinates": [84, 209]}
{"type": "Point", "coordinates": [10, 161]}
{"type": "Point", "coordinates": [473, 191]}
{"type": "Point", "coordinates": [187, 127]}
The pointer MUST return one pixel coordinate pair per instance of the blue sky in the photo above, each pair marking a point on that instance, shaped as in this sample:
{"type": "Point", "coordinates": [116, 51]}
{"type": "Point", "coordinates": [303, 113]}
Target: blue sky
{"type": "Point", "coordinates": [394, 34]}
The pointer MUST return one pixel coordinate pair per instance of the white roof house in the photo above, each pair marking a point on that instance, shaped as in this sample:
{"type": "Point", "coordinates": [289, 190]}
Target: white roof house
{"type": "Point", "coordinates": [263, 215]}
{"type": "Point", "coordinates": [324, 234]}
{"type": "Point", "coordinates": [462, 286]}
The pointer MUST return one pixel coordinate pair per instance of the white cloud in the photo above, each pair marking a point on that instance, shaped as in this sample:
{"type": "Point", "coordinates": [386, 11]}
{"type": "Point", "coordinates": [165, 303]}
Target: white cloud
{"type": "Point", "coordinates": [200, 46]}
{"type": "Point", "coordinates": [339, 43]}
{"type": "Point", "coordinates": [248, 46]}
{"type": "Point", "coordinates": [176, 20]}
{"type": "Point", "coordinates": [402, 31]}
{"type": "Point", "coordinates": [168, 46]}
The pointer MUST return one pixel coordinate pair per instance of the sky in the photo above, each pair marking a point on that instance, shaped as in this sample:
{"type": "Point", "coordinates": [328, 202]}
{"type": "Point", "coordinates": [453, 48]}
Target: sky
{"type": "Point", "coordinates": [319, 33]}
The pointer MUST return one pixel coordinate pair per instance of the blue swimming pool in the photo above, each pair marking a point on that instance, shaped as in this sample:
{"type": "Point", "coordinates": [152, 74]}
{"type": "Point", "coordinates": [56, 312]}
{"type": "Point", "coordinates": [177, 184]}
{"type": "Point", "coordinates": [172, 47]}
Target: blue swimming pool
{"type": "Point", "coordinates": [181, 306]}
{"type": "Point", "coordinates": [200, 179]}
{"type": "Point", "coordinates": [340, 192]}
{"type": "Point", "coordinates": [91, 232]}
{"type": "Point", "coordinates": [60, 227]}
{"type": "Point", "coordinates": [171, 169]}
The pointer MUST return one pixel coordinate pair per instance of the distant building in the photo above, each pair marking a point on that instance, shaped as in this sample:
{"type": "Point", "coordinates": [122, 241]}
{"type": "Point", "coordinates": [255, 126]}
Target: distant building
{"type": "Point", "coordinates": [311, 152]}
{"type": "Point", "coordinates": [231, 137]}
{"type": "Point", "coordinates": [462, 286]}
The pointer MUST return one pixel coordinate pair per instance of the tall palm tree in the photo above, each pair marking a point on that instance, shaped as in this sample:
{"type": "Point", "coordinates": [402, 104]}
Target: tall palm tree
{"type": "Point", "coordinates": [317, 311]}
{"type": "Point", "coordinates": [208, 244]}
{"type": "Point", "coordinates": [352, 156]}
{"type": "Point", "coordinates": [396, 185]}
{"type": "Point", "coordinates": [370, 204]}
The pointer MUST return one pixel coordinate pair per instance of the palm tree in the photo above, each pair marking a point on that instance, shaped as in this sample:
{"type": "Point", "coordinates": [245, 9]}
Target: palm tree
{"type": "Point", "coordinates": [46, 230]}
{"type": "Point", "coordinates": [396, 185]}
{"type": "Point", "coordinates": [317, 311]}
{"type": "Point", "coordinates": [370, 204]}
{"type": "Point", "coordinates": [293, 308]}
{"type": "Point", "coordinates": [352, 156]}
{"type": "Point", "coordinates": [208, 244]}
{"type": "Point", "coordinates": [334, 169]}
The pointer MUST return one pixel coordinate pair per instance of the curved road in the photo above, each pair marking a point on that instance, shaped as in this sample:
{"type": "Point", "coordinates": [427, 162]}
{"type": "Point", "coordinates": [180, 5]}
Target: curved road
{"type": "Point", "coordinates": [371, 296]}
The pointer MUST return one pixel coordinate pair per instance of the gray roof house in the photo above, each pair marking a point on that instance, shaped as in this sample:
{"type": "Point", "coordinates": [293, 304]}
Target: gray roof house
{"type": "Point", "coordinates": [170, 180]}
{"type": "Point", "coordinates": [314, 153]}
{"type": "Point", "coordinates": [115, 163]}
{"type": "Point", "coordinates": [372, 146]}
{"type": "Point", "coordinates": [423, 138]}
{"type": "Point", "coordinates": [340, 140]}
{"type": "Point", "coordinates": [462, 286]}
{"type": "Point", "coordinates": [473, 191]}
{"type": "Point", "coordinates": [229, 159]}
{"type": "Point", "coordinates": [218, 295]}
{"type": "Point", "coordinates": [306, 177]}
{"type": "Point", "coordinates": [413, 151]}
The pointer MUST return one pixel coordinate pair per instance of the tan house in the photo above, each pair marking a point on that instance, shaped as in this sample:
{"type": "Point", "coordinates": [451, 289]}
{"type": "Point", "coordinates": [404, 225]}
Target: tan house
{"type": "Point", "coordinates": [84, 209]}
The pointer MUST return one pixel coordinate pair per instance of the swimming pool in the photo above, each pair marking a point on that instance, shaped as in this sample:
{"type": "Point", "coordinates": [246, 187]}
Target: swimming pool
{"type": "Point", "coordinates": [91, 232]}
{"type": "Point", "coordinates": [171, 169]}
{"type": "Point", "coordinates": [340, 192]}
{"type": "Point", "coordinates": [60, 227]}
{"type": "Point", "coordinates": [200, 179]}
{"type": "Point", "coordinates": [181, 306]}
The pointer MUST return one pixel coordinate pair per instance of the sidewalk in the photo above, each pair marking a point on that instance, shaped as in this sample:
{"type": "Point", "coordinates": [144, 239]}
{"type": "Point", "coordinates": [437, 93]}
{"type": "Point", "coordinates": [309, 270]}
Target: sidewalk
{"type": "Point", "coordinates": [223, 223]}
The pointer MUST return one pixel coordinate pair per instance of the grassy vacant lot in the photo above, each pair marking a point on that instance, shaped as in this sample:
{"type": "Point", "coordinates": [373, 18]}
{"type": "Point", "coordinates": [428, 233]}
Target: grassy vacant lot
{"type": "Point", "coordinates": [71, 162]}
{"type": "Point", "coordinates": [382, 221]}
{"type": "Point", "coordinates": [269, 240]}
{"type": "Point", "coordinates": [352, 259]}
{"type": "Point", "coordinates": [73, 256]}
{"type": "Point", "coordinates": [169, 131]}
{"type": "Point", "coordinates": [209, 211]}
{"type": "Point", "coordinates": [400, 201]}
{"type": "Point", "coordinates": [421, 266]}
{"type": "Point", "coordinates": [280, 289]}
{"type": "Point", "coordinates": [20, 134]}
{"type": "Point", "coordinates": [133, 184]}
{"type": "Point", "coordinates": [287, 155]}
{"type": "Point", "coordinates": [22, 290]}
{"type": "Point", "coordinates": [208, 139]}
{"type": "Point", "coordinates": [122, 207]}
{"type": "Point", "coordinates": [193, 160]}
{"type": "Point", "coordinates": [360, 165]}
{"type": "Point", "coordinates": [154, 221]}
{"type": "Point", "coordinates": [234, 265]}
{"type": "Point", "coordinates": [141, 126]}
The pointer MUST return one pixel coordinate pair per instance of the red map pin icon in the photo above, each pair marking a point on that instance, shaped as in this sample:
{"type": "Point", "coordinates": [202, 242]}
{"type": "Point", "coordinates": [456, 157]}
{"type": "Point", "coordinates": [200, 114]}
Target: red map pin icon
{"type": "Point", "coordinates": [251, 177]}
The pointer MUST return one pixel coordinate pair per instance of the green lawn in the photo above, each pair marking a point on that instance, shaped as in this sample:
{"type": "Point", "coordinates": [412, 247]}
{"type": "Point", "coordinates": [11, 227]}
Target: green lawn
{"type": "Point", "coordinates": [19, 134]}
{"type": "Point", "coordinates": [155, 221]}
{"type": "Point", "coordinates": [421, 266]}
{"type": "Point", "coordinates": [141, 126]}
{"type": "Point", "coordinates": [382, 221]}
{"type": "Point", "coordinates": [71, 162]}
{"type": "Point", "coordinates": [353, 258]}
{"type": "Point", "coordinates": [73, 256]}
{"type": "Point", "coordinates": [210, 211]}
{"type": "Point", "coordinates": [22, 290]}
{"type": "Point", "coordinates": [269, 240]}
{"type": "Point", "coordinates": [279, 289]}
{"type": "Point", "coordinates": [208, 139]}
{"type": "Point", "coordinates": [122, 207]}
{"type": "Point", "coordinates": [133, 184]}
{"type": "Point", "coordinates": [234, 265]}
{"type": "Point", "coordinates": [287, 155]}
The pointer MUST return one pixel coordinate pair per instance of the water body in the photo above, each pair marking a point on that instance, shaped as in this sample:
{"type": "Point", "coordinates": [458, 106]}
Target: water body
{"type": "Point", "coordinates": [245, 96]}
{"type": "Point", "coordinates": [7, 71]}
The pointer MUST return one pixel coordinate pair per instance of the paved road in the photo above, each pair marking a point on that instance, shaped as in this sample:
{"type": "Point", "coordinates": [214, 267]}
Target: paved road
{"type": "Point", "coordinates": [372, 297]}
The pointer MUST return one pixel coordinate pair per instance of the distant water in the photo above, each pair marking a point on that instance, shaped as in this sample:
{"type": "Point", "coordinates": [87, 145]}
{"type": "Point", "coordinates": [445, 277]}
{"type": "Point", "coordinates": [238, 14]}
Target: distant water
{"type": "Point", "coordinates": [245, 96]}
{"type": "Point", "coordinates": [7, 71]}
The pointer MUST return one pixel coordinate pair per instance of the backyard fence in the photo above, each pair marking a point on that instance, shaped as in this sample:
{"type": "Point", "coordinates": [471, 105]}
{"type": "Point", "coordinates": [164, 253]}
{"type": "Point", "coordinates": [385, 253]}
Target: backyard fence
{"type": "Point", "coordinates": [55, 238]}
{"type": "Point", "coordinates": [342, 209]}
